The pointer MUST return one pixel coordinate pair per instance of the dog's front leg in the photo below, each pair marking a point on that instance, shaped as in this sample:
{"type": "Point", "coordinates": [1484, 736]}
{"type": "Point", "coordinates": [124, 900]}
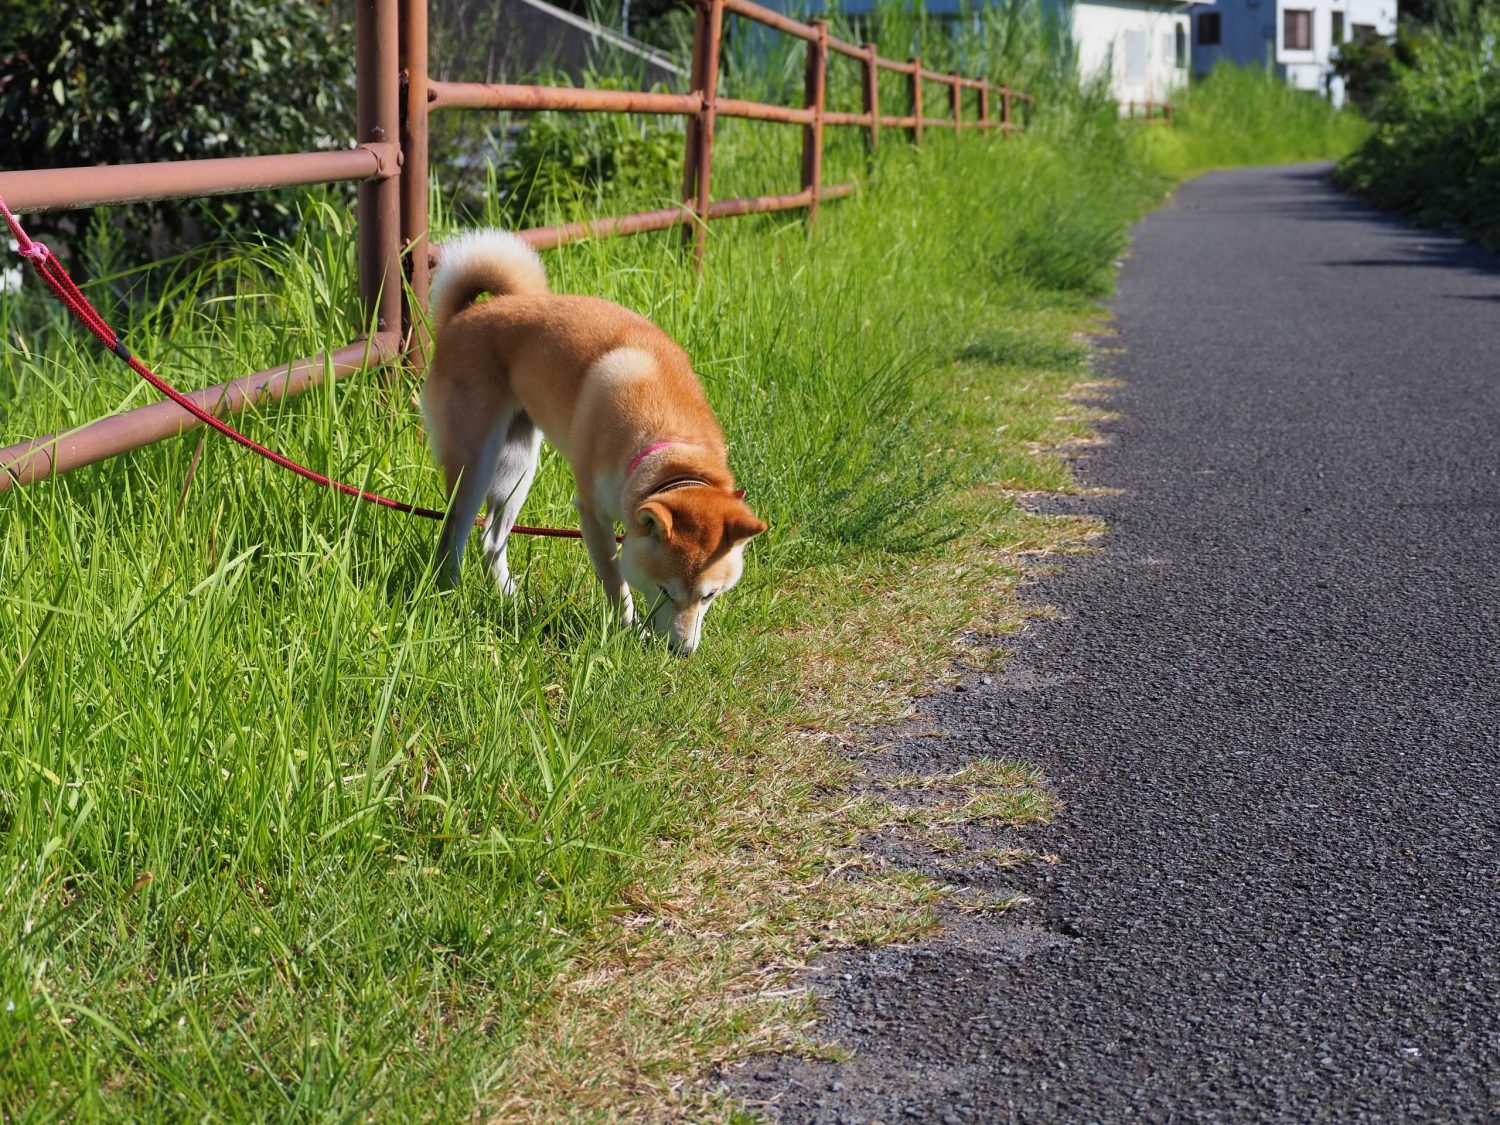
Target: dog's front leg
{"type": "Point", "coordinates": [599, 538]}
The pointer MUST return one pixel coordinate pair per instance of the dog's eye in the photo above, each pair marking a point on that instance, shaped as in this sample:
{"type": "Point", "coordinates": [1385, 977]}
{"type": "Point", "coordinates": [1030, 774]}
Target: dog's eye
{"type": "Point", "coordinates": [708, 597]}
{"type": "Point", "coordinates": [665, 592]}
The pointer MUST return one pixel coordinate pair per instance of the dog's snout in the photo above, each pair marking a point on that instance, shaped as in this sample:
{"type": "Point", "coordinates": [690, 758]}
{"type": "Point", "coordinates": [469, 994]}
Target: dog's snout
{"type": "Point", "coordinates": [681, 629]}
{"type": "Point", "coordinates": [684, 642]}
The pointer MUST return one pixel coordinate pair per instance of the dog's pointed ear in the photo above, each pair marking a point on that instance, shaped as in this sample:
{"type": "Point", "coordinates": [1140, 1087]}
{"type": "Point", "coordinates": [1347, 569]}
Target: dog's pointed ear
{"type": "Point", "coordinates": [654, 519]}
{"type": "Point", "coordinates": [742, 524]}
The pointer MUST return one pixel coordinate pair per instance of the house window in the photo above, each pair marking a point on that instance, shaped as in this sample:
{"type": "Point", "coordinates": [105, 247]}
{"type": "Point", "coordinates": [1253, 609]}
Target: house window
{"type": "Point", "coordinates": [1338, 28]}
{"type": "Point", "coordinates": [1179, 37]}
{"type": "Point", "coordinates": [1365, 32]}
{"type": "Point", "coordinates": [1210, 28]}
{"type": "Point", "coordinates": [1137, 56]}
{"type": "Point", "coordinates": [1296, 29]}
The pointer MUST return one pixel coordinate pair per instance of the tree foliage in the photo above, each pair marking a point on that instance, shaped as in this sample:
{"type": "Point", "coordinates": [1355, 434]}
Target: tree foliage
{"type": "Point", "coordinates": [576, 164]}
{"type": "Point", "coordinates": [1367, 63]}
{"type": "Point", "coordinates": [1434, 152]}
{"type": "Point", "coordinates": [122, 81]}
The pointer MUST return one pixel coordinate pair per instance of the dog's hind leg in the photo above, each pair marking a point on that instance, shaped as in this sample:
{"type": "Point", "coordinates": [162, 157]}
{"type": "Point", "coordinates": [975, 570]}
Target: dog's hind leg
{"type": "Point", "coordinates": [515, 468]}
{"type": "Point", "coordinates": [467, 422]}
{"type": "Point", "coordinates": [466, 489]}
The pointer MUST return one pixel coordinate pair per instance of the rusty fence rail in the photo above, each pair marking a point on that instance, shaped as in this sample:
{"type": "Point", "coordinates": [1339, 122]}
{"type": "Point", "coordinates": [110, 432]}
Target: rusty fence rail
{"type": "Point", "coordinates": [395, 96]}
{"type": "Point", "coordinates": [1152, 112]}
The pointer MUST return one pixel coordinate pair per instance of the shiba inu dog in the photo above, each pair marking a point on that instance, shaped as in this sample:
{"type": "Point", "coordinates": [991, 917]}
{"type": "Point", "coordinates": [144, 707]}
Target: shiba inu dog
{"type": "Point", "coordinates": [619, 400]}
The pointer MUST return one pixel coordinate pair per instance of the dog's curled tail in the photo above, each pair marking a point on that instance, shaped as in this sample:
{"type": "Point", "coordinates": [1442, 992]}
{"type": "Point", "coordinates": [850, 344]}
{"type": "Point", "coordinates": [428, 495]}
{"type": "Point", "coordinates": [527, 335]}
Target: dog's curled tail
{"type": "Point", "coordinates": [484, 261]}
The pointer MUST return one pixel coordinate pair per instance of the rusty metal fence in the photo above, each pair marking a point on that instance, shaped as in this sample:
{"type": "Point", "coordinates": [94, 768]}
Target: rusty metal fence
{"type": "Point", "coordinates": [395, 97]}
{"type": "Point", "coordinates": [1151, 111]}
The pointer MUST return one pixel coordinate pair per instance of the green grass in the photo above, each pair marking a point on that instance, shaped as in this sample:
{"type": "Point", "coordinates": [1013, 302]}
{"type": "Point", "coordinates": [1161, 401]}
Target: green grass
{"type": "Point", "coordinates": [287, 834]}
{"type": "Point", "coordinates": [1237, 116]}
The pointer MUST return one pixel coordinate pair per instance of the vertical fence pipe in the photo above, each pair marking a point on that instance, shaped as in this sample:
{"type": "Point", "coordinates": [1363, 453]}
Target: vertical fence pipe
{"type": "Point", "coordinates": [378, 99]}
{"type": "Point", "coordinates": [985, 124]}
{"type": "Point", "coordinates": [414, 175]}
{"type": "Point", "coordinates": [956, 100]}
{"type": "Point", "coordinates": [914, 97]}
{"type": "Point", "coordinates": [708, 27]}
{"type": "Point", "coordinates": [690, 155]}
{"type": "Point", "coordinates": [812, 135]}
{"type": "Point", "coordinates": [871, 101]}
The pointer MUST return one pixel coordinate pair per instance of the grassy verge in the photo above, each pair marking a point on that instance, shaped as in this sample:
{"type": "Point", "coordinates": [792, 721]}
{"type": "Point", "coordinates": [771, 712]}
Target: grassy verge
{"type": "Point", "coordinates": [286, 834]}
{"type": "Point", "coordinates": [1238, 116]}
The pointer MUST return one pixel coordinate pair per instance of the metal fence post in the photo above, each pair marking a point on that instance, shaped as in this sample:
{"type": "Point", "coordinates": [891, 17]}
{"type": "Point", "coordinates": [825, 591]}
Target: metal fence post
{"type": "Point", "coordinates": [378, 98]}
{"type": "Point", "coordinates": [708, 26]}
{"type": "Point", "coordinates": [414, 177]}
{"type": "Point", "coordinates": [695, 122]}
{"type": "Point", "coordinates": [812, 135]}
{"type": "Point", "coordinates": [914, 97]}
{"type": "Point", "coordinates": [956, 101]}
{"type": "Point", "coordinates": [871, 99]}
{"type": "Point", "coordinates": [985, 124]}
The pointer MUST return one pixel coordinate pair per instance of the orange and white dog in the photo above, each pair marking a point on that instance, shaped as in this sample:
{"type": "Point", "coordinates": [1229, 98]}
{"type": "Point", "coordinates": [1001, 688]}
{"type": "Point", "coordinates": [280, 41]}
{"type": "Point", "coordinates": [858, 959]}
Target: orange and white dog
{"type": "Point", "coordinates": [616, 396]}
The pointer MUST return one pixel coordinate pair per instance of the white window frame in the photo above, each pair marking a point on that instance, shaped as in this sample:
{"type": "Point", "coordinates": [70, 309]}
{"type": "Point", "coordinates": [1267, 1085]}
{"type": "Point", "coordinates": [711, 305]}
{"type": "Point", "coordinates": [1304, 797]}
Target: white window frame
{"type": "Point", "coordinates": [1311, 34]}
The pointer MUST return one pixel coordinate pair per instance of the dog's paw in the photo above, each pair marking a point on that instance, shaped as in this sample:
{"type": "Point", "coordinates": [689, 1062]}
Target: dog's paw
{"type": "Point", "coordinates": [500, 572]}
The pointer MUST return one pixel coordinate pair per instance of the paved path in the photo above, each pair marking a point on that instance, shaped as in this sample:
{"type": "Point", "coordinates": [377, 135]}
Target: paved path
{"type": "Point", "coordinates": [1272, 710]}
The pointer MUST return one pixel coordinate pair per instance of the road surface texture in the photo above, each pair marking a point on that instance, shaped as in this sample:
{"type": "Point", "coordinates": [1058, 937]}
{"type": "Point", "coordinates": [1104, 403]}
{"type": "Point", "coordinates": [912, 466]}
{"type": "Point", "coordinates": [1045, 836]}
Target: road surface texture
{"type": "Point", "coordinates": [1270, 708]}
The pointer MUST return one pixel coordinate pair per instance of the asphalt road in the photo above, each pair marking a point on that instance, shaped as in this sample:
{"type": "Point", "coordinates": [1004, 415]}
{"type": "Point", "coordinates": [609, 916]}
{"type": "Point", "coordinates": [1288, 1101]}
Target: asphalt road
{"type": "Point", "coordinates": [1271, 709]}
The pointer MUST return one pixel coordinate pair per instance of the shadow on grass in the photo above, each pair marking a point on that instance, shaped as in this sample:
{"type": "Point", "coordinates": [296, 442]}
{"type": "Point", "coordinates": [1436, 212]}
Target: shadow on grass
{"type": "Point", "coordinates": [1017, 349]}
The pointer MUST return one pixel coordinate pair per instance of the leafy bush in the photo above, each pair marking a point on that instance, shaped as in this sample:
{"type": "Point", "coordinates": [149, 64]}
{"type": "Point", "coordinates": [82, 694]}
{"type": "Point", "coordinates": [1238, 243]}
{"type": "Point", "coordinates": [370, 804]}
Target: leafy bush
{"type": "Point", "coordinates": [1366, 64]}
{"type": "Point", "coordinates": [1435, 150]}
{"type": "Point", "coordinates": [125, 81]}
{"type": "Point", "coordinates": [574, 164]}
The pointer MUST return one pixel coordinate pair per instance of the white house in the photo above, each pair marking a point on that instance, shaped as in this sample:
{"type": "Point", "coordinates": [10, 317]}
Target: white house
{"type": "Point", "coordinates": [1144, 46]}
{"type": "Point", "coordinates": [1296, 37]}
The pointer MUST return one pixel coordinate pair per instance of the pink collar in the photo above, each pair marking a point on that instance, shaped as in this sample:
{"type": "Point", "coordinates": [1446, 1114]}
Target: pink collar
{"type": "Point", "coordinates": [635, 462]}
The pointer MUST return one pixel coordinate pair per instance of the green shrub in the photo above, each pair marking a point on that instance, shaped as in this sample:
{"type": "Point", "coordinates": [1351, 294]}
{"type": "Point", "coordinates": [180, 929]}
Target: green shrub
{"type": "Point", "coordinates": [1435, 149]}
{"type": "Point", "coordinates": [578, 165]}
{"type": "Point", "coordinates": [1367, 63]}
{"type": "Point", "coordinates": [128, 81]}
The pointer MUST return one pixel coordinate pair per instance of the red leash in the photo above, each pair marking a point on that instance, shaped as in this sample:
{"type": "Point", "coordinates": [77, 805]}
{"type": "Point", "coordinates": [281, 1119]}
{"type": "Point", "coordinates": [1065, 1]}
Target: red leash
{"type": "Point", "coordinates": [51, 271]}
